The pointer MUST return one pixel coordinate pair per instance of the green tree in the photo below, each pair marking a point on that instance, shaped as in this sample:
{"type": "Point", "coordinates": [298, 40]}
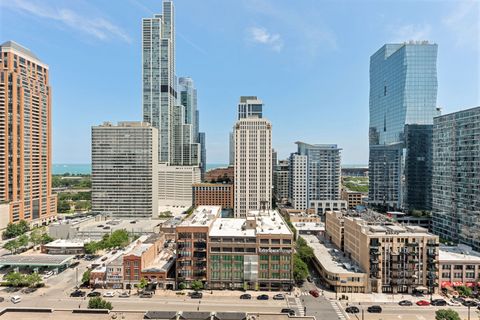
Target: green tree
{"type": "Point", "coordinates": [118, 239]}
{"type": "Point", "coordinates": [464, 291]}
{"type": "Point", "coordinates": [86, 276]}
{"type": "Point", "coordinates": [11, 246]}
{"type": "Point", "coordinates": [92, 247]}
{"type": "Point", "coordinates": [300, 268]}
{"type": "Point", "coordinates": [182, 286]}
{"type": "Point", "coordinates": [304, 251]}
{"type": "Point", "coordinates": [15, 229]}
{"type": "Point", "coordinates": [14, 279]}
{"type": "Point", "coordinates": [36, 237]}
{"type": "Point", "coordinates": [46, 238]}
{"type": "Point", "coordinates": [99, 303]}
{"type": "Point", "coordinates": [63, 206]}
{"type": "Point", "coordinates": [446, 314]}
{"type": "Point", "coordinates": [196, 285]}
{"type": "Point", "coordinates": [33, 280]}
{"type": "Point", "coordinates": [23, 241]}
{"type": "Point", "coordinates": [142, 284]}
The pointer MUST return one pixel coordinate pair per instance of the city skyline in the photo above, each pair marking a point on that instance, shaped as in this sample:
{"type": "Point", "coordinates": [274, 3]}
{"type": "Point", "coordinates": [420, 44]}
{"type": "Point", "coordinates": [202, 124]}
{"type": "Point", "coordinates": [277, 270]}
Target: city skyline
{"type": "Point", "coordinates": [332, 56]}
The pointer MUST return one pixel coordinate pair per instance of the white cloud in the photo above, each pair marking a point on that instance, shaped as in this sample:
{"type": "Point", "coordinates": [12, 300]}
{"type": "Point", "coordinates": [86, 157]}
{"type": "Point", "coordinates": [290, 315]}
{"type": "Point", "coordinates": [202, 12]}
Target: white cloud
{"type": "Point", "coordinates": [464, 22]}
{"type": "Point", "coordinates": [411, 32]}
{"type": "Point", "coordinates": [98, 27]}
{"type": "Point", "coordinates": [262, 36]}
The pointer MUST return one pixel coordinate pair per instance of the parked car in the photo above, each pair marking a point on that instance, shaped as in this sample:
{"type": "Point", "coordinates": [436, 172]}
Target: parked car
{"type": "Point", "coordinates": [16, 299]}
{"type": "Point", "coordinates": [352, 309]}
{"type": "Point", "coordinates": [314, 293]}
{"type": "Point", "coordinates": [146, 294]}
{"type": "Point", "coordinates": [309, 279]}
{"type": "Point", "coordinates": [438, 302]}
{"type": "Point", "coordinates": [405, 303]}
{"type": "Point", "coordinates": [124, 294]}
{"type": "Point", "coordinates": [374, 309]}
{"type": "Point", "coordinates": [279, 297]}
{"type": "Point", "coordinates": [78, 294]}
{"type": "Point", "coordinates": [29, 290]}
{"type": "Point", "coordinates": [109, 294]}
{"type": "Point", "coordinates": [246, 296]}
{"type": "Point", "coordinates": [94, 294]}
{"type": "Point", "coordinates": [423, 303]}
{"type": "Point", "coordinates": [2, 299]}
{"type": "Point", "coordinates": [454, 303]}
{"type": "Point", "coordinates": [196, 295]}
{"type": "Point", "coordinates": [262, 297]}
{"type": "Point", "coordinates": [469, 303]}
{"type": "Point", "coordinates": [290, 312]}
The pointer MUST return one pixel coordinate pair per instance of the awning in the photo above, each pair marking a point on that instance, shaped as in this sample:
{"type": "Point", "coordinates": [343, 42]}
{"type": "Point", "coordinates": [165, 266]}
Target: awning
{"type": "Point", "coordinates": [421, 288]}
{"type": "Point", "coordinates": [470, 284]}
{"type": "Point", "coordinates": [446, 284]}
{"type": "Point", "coordinates": [457, 283]}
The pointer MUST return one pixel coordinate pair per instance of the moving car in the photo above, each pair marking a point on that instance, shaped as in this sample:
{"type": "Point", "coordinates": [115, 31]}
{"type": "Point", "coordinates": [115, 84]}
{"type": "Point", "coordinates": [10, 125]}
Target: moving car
{"type": "Point", "coordinates": [352, 309]}
{"type": "Point", "coordinates": [94, 294]}
{"type": "Point", "coordinates": [196, 295]}
{"type": "Point", "coordinates": [262, 297]}
{"type": "Point", "coordinates": [279, 297]}
{"type": "Point", "coordinates": [314, 293]}
{"type": "Point", "coordinates": [290, 312]}
{"type": "Point", "coordinates": [423, 303]}
{"type": "Point", "coordinates": [78, 294]}
{"type": "Point", "coordinates": [438, 302]}
{"type": "Point", "coordinates": [146, 294]}
{"type": "Point", "coordinates": [405, 303]}
{"type": "Point", "coordinates": [109, 294]}
{"type": "Point", "coordinates": [124, 294]}
{"type": "Point", "coordinates": [374, 309]}
{"type": "Point", "coordinates": [16, 299]}
{"type": "Point", "coordinates": [246, 296]}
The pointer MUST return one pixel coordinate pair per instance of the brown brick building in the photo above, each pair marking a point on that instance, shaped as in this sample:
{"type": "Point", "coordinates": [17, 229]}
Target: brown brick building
{"type": "Point", "coordinates": [213, 194]}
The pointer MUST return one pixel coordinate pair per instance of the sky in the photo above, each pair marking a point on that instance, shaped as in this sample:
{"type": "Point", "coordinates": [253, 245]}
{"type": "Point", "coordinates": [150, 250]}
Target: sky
{"type": "Point", "coordinates": [308, 60]}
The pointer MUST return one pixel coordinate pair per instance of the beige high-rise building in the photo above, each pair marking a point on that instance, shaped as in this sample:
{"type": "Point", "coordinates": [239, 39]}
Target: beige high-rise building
{"type": "Point", "coordinates": [25, 137]}
{"type": "Point", "coordinates": [253, 165]}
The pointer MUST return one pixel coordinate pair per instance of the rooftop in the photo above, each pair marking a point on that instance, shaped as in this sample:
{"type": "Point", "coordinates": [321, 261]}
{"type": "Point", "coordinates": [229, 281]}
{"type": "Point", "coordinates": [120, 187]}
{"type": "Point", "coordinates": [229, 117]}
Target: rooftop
{"type": "Point", "coordinates": [458, 253]}
{"type": "Point", "coordinates": [163, 262]}
{"type": "Point", "coordinates": [331, 258]}
{"type": "Point", "coordinates": [202, 216]}
{"type": "Point", "coordinates": [23, 50]}
{"type": "Point", "coordinates": [230, 227]}
{"type": "Point", "coordinates": [46, 260]}
{"type": "Point", "coordinates": [309, 226]}
{"type": "Point", "coordinates": [61, 243]}
{"type": "Point", "coordinates": [269, 222]}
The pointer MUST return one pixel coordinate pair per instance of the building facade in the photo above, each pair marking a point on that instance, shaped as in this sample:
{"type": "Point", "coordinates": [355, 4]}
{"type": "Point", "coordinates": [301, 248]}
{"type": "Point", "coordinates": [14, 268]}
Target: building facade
{"type": "Point", "coordinates": [403, 91]}
{"type": "Point", "coordinates": [25, 137]}
{"type": "Point", "coordinates": [125, 169]}
{"type": "Point", "coordinates": [459, 266]}
{"type": "Point", "coordinates": [253, 165]}
{"type": "Point", "coordinates": [226, 175]}
{"type": "Point", "coordinates": [353, 198]}
{"type": "Point", "coordinates": [456, 177]}
{"type": "Point", "coordinates": [281, 174]}
{"type": "Point", "coordinates": [175, 184]}
{"type": "Point", "coordinates": [213, 194]}
{"type": "Point", "coordinates": [315, 174]}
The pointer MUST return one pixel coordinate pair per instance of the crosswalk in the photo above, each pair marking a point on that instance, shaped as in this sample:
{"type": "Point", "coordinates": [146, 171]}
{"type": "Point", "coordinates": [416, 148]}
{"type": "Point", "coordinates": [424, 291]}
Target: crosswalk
{"type": "Point", "coordinates": [338, 310]}
{"type": "Point", "coordinates": [296, 304]}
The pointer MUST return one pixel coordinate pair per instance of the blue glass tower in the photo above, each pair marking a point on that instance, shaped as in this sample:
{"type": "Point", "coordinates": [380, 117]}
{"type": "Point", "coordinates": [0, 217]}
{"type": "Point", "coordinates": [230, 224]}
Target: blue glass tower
{"type": "Point", "coordinates": [403, 91]}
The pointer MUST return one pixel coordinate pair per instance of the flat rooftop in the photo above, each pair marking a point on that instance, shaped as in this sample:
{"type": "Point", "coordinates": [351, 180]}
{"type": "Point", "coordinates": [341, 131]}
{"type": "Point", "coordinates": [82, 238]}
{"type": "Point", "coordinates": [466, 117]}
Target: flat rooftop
{"type": "Point", "coordinates": [269, 222]}
{"type": "Point", "coordinates": [62, 243]}
{"type": "Point", "coordinates": [331, 258]}
{"type": "Point", "coordinates": [45, 260]}
{"type": "Point", "coordinates": [309, 226]}
{"type": "Point", "coordinates": [223, 227]}
{"type": "Point", "coordinates": [163, 262]}
{"type": "Point", "coordinates": [457, 254]}
{"type": "Point", "coordinates": [202, 216]}
{"type": "Point", "coordinates": [134, 225]}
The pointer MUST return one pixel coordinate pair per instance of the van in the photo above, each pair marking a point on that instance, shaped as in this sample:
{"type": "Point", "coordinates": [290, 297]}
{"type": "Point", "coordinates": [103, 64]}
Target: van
{"type": "Point", "coordinates": [16, 299]}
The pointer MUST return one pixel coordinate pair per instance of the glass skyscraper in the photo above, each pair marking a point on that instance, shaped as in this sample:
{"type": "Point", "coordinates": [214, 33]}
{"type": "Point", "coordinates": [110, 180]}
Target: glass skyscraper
{"type": "Point", "coordinates": [456, 177]}
{"type": "Point", "coordinates": [403, 91]}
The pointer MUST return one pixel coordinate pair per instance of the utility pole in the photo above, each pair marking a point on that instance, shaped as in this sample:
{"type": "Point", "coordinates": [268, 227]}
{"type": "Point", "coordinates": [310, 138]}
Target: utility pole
{"type": "Point", "coordinates": [76, 277]}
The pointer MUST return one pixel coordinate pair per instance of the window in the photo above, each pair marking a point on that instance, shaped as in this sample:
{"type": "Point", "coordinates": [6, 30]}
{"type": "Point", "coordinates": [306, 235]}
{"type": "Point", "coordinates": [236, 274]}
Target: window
{"type": "Point", "coordinates": [263, 257]}
{"type": "Point", "coordinates": [457, 275]}
{"type": "Point", "coordinates": [446, 267]}
{"type": "Point", "coordinates": [458, 267]}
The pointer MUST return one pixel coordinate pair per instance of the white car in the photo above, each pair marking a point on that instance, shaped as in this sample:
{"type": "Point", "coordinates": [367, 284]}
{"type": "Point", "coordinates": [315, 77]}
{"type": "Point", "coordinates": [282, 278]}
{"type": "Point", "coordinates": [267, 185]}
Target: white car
{"type": "Point", "coordinates": [16, 299]}
{"type": "Point", "coordinates": [454, 303]}
{"type": "Point", "coordinates": [109, 294]}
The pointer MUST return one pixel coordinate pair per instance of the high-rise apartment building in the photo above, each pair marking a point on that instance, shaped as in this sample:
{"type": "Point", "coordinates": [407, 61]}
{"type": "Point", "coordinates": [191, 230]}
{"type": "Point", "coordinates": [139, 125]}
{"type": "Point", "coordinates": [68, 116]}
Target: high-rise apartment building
{"type": "Point", "coordinates": [186, 151]}
{"type": "Point", "coordinates": [280, 176]}
{"type": "Point", "coordinates": [456, 177]}
{"type": "Point", "coordinates": [159, 94]}
{"type": "Point", "coordinates": [175, 184]}
{"type": "Point", "coordinates": [203, 153]}
{"type": "Point", "coordinates": [249, 106]}
{"type": "Point", "coordinates": [315, 174]}
{"type": "Point", "coordinates": [253, 165]}
{"type": "Point", "coordinates": [25, 137]}
{"type": "Point", "coordinates": [125, 169]}
{"type": "Point", "coordinates": [403, 91]}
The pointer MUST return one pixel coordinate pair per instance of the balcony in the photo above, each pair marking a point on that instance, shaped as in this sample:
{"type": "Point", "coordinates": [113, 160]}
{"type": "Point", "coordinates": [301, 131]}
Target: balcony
{"type": "Point", "coordinates": [374, 261]}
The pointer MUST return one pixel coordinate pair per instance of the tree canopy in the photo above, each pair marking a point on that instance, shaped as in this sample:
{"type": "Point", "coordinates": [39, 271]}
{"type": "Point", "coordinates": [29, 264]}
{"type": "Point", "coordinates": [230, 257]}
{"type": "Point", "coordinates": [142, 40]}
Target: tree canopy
{"type": "Point", "coordinates": [16, 229]}
{"type": "Point", "coordinates": [99, 303]}
{"type": "Point", "coordinates": [446, 314]}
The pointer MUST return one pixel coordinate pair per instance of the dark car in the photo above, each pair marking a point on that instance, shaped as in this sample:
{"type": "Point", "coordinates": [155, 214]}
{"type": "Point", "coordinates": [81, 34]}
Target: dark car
{"type": "Point", "coordinates": [405, 303]}
{"type": "Point", "coordinates": [2, 299]}
{"type": "Point", "coordinates": [262, 297]}
{"type": "Point", "coordinates": [94, 294]}
{"type": "Point", "coordinates": [309, 279]}
{"type": "Point", "coordinates": [146, 294]}
{"type": "Point", "coordinates": [279, 297]}
{"type": "Point", "coordinates": [352, 309]}
{"type": "Point", "coordinates": [314, 293]}
{"type": "Point", "coordinates": [29, 290]}
{"type": "Point", "coordinates": [78, 294]}
{"type": "Point", "coordinates": [469, 303]}
{"type": "Point", "coordinates": [438, 302]}
{"type": "Point", "coordinates": [196, 295]}
{"type": "Point", "coordinates": [246, 296]}
{"type": "Point", "coordinates": [290, 312]}
{"type": "Point", "coordinates": [374, 309]}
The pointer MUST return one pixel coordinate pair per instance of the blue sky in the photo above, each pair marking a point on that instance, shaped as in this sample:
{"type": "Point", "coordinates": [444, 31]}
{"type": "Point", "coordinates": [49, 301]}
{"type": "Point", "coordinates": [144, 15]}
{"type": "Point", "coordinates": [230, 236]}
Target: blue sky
{"type": "Point", "coordinates": [307, 60]}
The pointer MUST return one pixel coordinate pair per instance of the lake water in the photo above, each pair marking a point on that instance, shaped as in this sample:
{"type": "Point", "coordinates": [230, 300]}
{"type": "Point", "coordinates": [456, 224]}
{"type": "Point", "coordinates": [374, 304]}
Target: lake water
{"type": "Point", "coordinates": [85, 168]}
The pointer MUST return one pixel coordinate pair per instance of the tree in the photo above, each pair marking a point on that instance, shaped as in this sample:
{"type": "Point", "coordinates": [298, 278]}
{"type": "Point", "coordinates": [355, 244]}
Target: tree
{"type": "Point", "coordinates": [63, 206]}
{"type": "Point", "coordinates": [11, 246]}
{"type": "Point", "coordinates": [118, 239]}
{"type": "Point", "coordinates": [92, 247]}
{"type": "Point", "coordinates": [14, 279]}
{"type": "Point", "coordinates": [300, 268]}
{"type": "Point", "coordinates": [46, 238]}
{"type": "Point", "coordinates": [86, 276]}
{"type": "Point", "coordinates": [33, 280]}
{"type": "Point", "coordinates": [23, 241]}
{"type": "Point", "coordinates": [304, 251]}
{"type": "Point", "coordinates": [99, 303]}
{"type": "Point", "coordinates": [182, 286]}
{"type": "Point", "coordinates": [446, 314]}
{"type": "Point", "coordinates": [36, 237]}
{"type": "Point", "coordinates": [196, 285]}
{"type": "Point", "coordinates": [15, 229]}
{"type": "Point", "coordinates": [142, 284]}
{"type": "Point", "coordinates": [464, 291]}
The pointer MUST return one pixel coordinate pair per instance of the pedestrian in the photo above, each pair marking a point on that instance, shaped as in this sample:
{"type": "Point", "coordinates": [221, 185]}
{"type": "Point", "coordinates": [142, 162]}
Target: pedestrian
{"type": "Point", "coordinates": [79, 305]}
